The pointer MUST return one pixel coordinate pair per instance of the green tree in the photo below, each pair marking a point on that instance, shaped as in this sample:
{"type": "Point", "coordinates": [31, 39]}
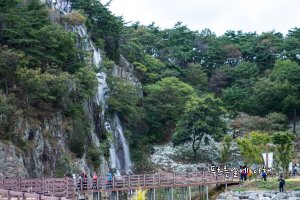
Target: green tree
{"type": "Point", "coordinates": [86, 83]}
{"type": "Point", "coordinates": [164, 103]}
{"type": "Point", "coordinates": [9, 61]}
{"type": "Point", "coordinates": [25, 27]}
{"type": "Point", "coordinates": [286, 70]}
{"type": "Point", "coordinates": [202, 119]}
{"type": "Point", "coordinates": [225, 149]}
{"type": "Point", "coordinates": [44, 86]}
{"type": "Point", "coordinates": [267, 48]}
{"type": "Point", "coordinates": [270, 95]}
{"type": "Point", "coordinates": [244, 74]}
{"type": "Point", "coordinates": [237, 99]}
{"type": "Point", "coordinates": [123, 96]}
{"type": "Point", "coordinates": [284, 148]}
{"type": "Point", "coordinates": [195, 76]}
{"type": "Point", "coordinates": [6, 112]}
{"type": "Point", "coordinates": [103, 25]}
{"type": "Point", "coordinates": [251, 148]}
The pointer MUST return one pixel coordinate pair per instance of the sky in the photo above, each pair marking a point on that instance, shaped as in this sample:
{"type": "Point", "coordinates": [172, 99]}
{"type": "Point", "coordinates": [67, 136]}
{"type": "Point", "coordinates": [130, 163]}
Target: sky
{"type": "Point", "coordinates": [217, 15]}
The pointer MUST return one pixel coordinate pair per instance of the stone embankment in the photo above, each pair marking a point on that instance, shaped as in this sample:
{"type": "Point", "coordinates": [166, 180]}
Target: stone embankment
{"type": "Point", "coordinates": [260, 195]}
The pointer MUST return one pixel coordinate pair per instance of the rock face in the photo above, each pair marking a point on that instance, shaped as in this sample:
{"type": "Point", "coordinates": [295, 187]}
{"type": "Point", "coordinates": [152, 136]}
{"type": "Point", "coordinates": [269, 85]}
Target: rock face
{"type": "Point", "coordinates": [12, 162]}
{"type": "Point", "coordinates": [125, 71]}
{"type": "Point", "coordinates": [167, 157]}
{"type": "Point", "coordinates": [260, 195]}
{"type": "Point", "coordinates": [170, 158]}
{"type": "Point", "coordinates": [43, 143]}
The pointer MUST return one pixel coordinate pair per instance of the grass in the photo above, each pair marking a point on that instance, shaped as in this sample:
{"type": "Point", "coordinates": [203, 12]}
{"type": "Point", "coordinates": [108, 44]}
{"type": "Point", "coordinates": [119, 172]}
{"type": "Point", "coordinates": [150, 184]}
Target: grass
{"type": "Point", "coordinates": [270, 184]}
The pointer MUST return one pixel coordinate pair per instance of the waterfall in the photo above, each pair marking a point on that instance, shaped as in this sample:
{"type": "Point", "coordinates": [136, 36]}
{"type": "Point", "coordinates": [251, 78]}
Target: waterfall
{"type": "Point", "coordinates": [119, 151]}
{"type": "Point", "coordinates": [119, 134]}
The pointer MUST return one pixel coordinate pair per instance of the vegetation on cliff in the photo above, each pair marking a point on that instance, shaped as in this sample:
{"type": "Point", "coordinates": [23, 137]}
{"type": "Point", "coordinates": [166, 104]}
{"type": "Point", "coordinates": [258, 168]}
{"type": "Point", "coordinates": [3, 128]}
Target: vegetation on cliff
{"type": "Point", "coordinates": [192, 81]}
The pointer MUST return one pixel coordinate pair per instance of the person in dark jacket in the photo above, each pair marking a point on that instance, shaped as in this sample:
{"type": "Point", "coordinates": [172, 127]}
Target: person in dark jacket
{"type": "Point", "coordinates": [281, 183]}
{"type": "Point", "coordinates": [264, 176]}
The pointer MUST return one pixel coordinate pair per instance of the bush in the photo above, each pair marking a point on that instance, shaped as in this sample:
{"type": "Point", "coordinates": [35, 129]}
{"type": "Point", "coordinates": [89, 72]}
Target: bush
{"type": "Point", "coordinates": [6, 111]}
{"type": "Point", "coordinates": [78, 139]}
{"type": "Point", "coordinates": [44, 86]}
{"type": "Point", "coordinates": [63, 166]}
{"type": "Point", "coordinates": [74, 18]}
{"type": "Point", "coordinates": [93, 155]}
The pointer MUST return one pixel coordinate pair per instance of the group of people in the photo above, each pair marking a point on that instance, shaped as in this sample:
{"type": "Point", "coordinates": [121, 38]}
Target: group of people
{"type": "Point", "coordinates": [247, 172]}
{"type": "Point", "coordinates": [83, 181]}
{"type": "Point", "coordinates": [281, 180]}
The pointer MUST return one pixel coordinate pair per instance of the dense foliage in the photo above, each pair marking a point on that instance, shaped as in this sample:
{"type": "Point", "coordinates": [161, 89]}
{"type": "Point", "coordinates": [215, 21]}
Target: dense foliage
{"type": "Point", "coordinates": [191, 81]}
{"type": "Point", "coordinates": [41, 69]}
{"type": "Point", "coordinates": [250, 73]}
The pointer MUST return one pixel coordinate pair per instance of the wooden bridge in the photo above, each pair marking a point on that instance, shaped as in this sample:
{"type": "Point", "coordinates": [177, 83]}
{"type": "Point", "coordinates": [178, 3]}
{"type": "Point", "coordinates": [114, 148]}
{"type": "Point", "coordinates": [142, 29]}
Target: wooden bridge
{"type": "Point", "coordinates": [68, 188]}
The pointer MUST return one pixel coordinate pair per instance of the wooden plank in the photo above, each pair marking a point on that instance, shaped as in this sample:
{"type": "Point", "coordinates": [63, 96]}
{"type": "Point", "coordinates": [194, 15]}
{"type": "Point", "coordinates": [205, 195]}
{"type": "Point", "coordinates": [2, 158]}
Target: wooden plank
{"type": "Point", "coordinates": [2, 191]}
{"type": "Point", "coordinates": [49, 198]}
{"type": "Point", "coordinates": [30, 195]}
{"type": "Point", "coordinates": [14, 193]}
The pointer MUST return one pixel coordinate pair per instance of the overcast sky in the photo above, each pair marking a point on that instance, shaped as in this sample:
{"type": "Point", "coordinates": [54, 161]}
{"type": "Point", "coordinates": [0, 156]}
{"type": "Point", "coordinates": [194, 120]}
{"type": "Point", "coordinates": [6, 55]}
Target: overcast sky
{"type": "Point", "coordinates": [217, 15]}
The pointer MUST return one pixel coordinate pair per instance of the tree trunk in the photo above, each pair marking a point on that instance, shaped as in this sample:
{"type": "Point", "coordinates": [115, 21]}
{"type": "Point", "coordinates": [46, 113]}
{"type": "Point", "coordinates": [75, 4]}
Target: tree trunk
{"type": "Point", "coordinates": [295, 116]}
{"type": "Point", "coordinates": [196, 146]}
{"type": "Point", "coordinates": [286, 169]}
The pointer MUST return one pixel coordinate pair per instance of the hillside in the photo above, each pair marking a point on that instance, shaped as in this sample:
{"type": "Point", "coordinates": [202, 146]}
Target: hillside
{"type": "Point", "coordinates": [82, 90]}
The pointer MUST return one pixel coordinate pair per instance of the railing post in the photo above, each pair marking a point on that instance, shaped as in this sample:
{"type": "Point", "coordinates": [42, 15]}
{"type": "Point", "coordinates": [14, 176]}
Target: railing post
{"type": "Point", "coordinates": [144, 179]}
{"type": "Point", "coordinates": [19, 184]}
{"type": "Point", "coordinates": [174, 179]}
{"type": "Point", "coordinates": [158, 178]}
{"type": "Point", "coordinates": [8, 195]}
{"type": "Point", "coordinates": [36, 185]}
{"type": "Point", "coordinates": [129, 181]}
{"type": "Point", "coordinates": [43, 186]}
{"type": "Point", "coordinates": [53, 187]}
{"type": "Point", "coordinates": [66, 187]}
{"type": "Point", "coordinates": [97, 185]}
{"type": "Point", "coordinates": [113, 182]}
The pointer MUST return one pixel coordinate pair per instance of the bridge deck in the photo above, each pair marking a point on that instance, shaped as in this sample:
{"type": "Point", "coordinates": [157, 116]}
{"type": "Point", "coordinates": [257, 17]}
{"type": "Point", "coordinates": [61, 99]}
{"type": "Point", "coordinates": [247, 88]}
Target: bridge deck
{"type": "Point", "coordinates": [53, 188]}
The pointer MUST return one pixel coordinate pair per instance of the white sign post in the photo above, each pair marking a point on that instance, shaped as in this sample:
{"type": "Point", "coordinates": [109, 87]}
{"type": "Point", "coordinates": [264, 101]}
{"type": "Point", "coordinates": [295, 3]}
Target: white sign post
{"type": "Point", "coordinates": [270, 159]}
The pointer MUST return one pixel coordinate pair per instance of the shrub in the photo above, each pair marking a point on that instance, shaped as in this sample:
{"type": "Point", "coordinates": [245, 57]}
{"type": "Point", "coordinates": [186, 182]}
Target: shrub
{"type": "Point", "coordinates": [93, 155]}
{"type": "Point", "coordinates": [74, 18]}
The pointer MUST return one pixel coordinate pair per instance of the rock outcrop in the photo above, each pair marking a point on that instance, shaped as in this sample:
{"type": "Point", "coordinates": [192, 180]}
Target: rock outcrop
{"type": "Point", "coordinates": [260, 195]}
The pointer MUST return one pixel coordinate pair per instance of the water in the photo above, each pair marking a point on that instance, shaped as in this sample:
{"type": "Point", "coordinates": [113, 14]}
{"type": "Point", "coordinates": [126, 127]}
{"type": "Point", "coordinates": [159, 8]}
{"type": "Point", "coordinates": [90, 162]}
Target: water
{"type": "Point", "coordinates": [62, 5]}
{"type": "Point", "coordinates": [120, 160]}
{"type": "Point", "coordinates": [96, 56]}
{"type": "Point", "coordinates": [114, 160]}
{"type": "Point", "coordinates": [123, 148]}
{"type": "Point", "coordinates": [101, 95]}
{"type": "Point", "coordinates": [119, 151]}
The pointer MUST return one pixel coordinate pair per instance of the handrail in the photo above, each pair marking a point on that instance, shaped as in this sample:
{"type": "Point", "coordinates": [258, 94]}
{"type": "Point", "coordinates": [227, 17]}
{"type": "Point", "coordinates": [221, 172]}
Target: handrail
{"type": "Point", "coordinates": [55, 188]}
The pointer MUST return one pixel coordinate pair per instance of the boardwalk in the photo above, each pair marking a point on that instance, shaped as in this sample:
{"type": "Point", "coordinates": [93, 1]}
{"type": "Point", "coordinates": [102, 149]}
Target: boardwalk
{"type": "Point", "coordinates": [59, 188]}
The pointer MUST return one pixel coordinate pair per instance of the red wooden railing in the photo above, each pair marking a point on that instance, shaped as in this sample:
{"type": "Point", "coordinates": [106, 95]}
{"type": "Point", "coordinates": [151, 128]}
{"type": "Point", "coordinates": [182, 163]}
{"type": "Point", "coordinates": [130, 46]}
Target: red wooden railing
{"type": "Point", "coordinates": [51, 188]}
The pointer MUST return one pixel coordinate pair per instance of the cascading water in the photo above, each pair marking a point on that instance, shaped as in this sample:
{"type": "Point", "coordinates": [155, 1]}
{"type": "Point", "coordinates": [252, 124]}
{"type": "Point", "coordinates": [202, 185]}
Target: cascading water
{"type": "Point", "coordinates": [119, 134]}
{"type": "Point", "coordinates": [119, 151]}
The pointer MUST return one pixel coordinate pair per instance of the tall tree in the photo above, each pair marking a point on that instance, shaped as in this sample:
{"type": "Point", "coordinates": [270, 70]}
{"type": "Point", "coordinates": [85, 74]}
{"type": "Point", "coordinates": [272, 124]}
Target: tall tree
{"type": "Point", "coordinates": [284, 148]}
{"type": "Point", "coordinates": [165, 102]}
{"type": "Point", "coordinates": [202, 119]}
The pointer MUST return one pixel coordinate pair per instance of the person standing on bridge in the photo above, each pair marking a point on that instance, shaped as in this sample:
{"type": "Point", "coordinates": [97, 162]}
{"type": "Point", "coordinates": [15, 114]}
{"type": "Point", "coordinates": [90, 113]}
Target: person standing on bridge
{"type": "Point", "coordinates": [109, 179]}
{"type": "Point", "coordinates": [95, 178]}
